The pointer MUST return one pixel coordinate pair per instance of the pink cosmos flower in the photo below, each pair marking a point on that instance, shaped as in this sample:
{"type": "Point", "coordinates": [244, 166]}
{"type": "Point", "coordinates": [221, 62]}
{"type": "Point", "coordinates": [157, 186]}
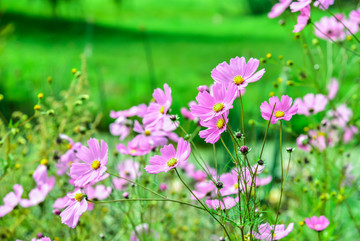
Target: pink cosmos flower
{"type": "Point", "coordinates": [279, 8]}
{"type": "Point", "coordinates": [216, 126]}
{"type": "Point", "coordinates": [323, 4]}
{"type": "Point", "coordinates": [132, 149]}
{"type": "Point", "coordinates": [186, 113]}
{"type": "Point", "coordinates": [317, 139]}
{"type": "Point", "coordinates": [214, 105]}
{"type": "Point", "coordinates": [41, 239]}
{"type": "Point", "coordinates": [204, 189]}
{"type": "Point", "coordinates": [226, 203]}
{"type": "Point", "coordinates": [76, 206]}
{"type": "Point", "coordinates": [121, 127]}
{"type": "Point", "coordinates": [100, 192]}
{"type": "Point", "coordinates": [203, 88]}
{"type": "Point", "coordinates": [341, 116]}
{"type": "Point", "coordinates": [238, 73]}
{"type": "Point", "coordinates": [311, 104]}
{"type": "Point", "coordinates": [93, 165]}
{"type": "Point", "coordinates": [317, 223]}
{"type": "Point", "coordinates": [139, 110]}
{"type": "Point", "coordinates": [265, 231]}
{"type": "Point", "coordinates": [11, 200]}
{"type": "Point", "coordinates": [39, 193]}
{"type": "Point", "coordinates": [333, 88]}
{"type": "Point", "coordinates": [149, 136]}
{"type": "Point", "coordinates": [349, 133]}
{"type": "Point", "coordinates": [282, 111]}
{"type": "Point", "coordinates": [157, 110]}
{"type": "Point", "coordinates": [128, 169]}
{"type": "Point", "coordinates": [329, 27]}
{"type": "Point", "coordinates": [163, 186]}
{"type": "Point", "coordinates": [303, 143]}
{"type": "Point", "coordinates": [68, 157]}
{"type": "Point", "coordinates": [169, 157]}
{"type": "Point", "coordinates": [199, 175]}
{"type": "Point", "coordinates": [302, 19]}
{"type": "Point", "coordinates": [355, 16]}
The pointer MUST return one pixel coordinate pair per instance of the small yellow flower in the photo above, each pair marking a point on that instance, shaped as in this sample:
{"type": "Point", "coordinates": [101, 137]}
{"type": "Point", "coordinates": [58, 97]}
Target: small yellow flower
{"type": "Point", "coordinates": [40, 95]}
{"type": "Point", "coordinates": [279, 79]}
{"type": "Point", "coordinates": [272, 93]}
{"type": "Point", "coordinates": [17, 166]}
{"type": "Point", "coordinates": [37, 107]}
{"type": "Point", "coordinates": [349, 38]}
{"type": "Point", "coordinates": [44, 161]}
{"type": "Point", "coordinates": [268, 55]}
{"type": "Point", "coordinates": [73, 70]}
{"type": "Point", "coordinates": [1, 97]}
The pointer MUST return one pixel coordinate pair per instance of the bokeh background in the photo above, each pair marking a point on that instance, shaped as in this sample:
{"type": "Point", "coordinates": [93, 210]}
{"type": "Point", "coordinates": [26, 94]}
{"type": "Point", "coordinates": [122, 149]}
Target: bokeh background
{"type": "Point", "coordinates": [134, 46]}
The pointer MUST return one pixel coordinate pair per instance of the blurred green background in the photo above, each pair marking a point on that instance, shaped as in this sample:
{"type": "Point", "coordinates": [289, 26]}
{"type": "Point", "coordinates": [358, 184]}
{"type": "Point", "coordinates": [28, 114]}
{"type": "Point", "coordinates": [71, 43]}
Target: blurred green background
{"type": "Point", "coordinates": [133, 46]}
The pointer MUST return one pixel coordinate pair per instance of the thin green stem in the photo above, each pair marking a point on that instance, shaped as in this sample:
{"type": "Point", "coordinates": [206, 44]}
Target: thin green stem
{"type": "Point", "coordinates": [242, 118]}
{"type": "Point", "coordinates": [203, 205]}
{"type": "Point", "coordinates": [319, 235]}
{"type": "Point", "coordinates": [147, 189]}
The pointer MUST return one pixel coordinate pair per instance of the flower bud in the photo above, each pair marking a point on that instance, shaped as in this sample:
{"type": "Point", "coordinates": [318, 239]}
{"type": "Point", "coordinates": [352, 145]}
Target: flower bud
{"type": "Point", "coordinates": [244, 149]}
{"type": "Point", "coordinates": [260, 162]}
{"type": "Point", "coordinates": [290, 149]}
{"type": "Point", "coordinates": [126, 195]}
{"type": "Point", "coordinates": [238, 135]}
{"type": "Point", "coordinates": [219, 185]}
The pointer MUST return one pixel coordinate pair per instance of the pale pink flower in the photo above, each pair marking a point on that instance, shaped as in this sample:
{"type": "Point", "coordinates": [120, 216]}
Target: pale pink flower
{"type": "Point", "coordinates": [238, 73]}
{"type": "Point", "coordinates": [225, 203]}
{"type": "Point", "coordinates": [41, 239]}
{"type": "Point", "coordinates": [38, 194]}
{"type": "Point", "coordinates": [186, 113]}
{"type": "Point", "coordinates": [204, 189]}
{"type": "Point", "coordinates": [121, 127]}
{"type": "Point", "coordinates": [128, 169]}
{"type": "Point", "coordinates": [157, 111]}
{"type": "Point", "coordinates": [279, 8]}
{"type": "Point", "coordinates": [341, 116]}
{"type": "Point", "coordinates": [283, 109]}
{"type": "Point", "coordinates": [93, 165]}
{"type": "Point", "coordinates": [169, 157]}
{"type": "Point", "coordinates": [68, 157]}
{"type": "Point", "coordinates": [333, 88]}
{"type": "Point", "coordinates": [11, 200]}
{"type": "Point", "coordinates": [311, 104]}
{"type": "Point", "coordinates": [216, 126]}
{"type": "Point", "coordinates": [355, 16]}
{"type": "Point", "coordinates": [269, 232]}
{"type": "Point", "coordinates": [323, 4]}
{"type": "Point", "coordinates": [100, 192]}
{"type": "Point", "coordinates": [149, 137]}
{"type": "Point", "coordinates": [203, 88]}
{"type": "Point", "coordinates": [75, 207]}
{"type": "Point", "coordinates": [302, 19]}
{"type": "Point", "coordinates": [329, 28]}
{"type": "Point", "coordinates": [317, 139]}
{"type": "Point", "coordinates": [142, 230]}
{"type": "Point", "coordinates": [317, 223]}
{"type": "Point", "coordinates": [199, 175]}
{"type": "Point", "coordinates": [214, 105]}
{"type": "Point", "coordinates": [132, 149]}
{"type": "Point", "coordinates": [303, 143]}
{"type": "Point", "coordinates": [139, 111]}
{"type": "Point", "coordinates": [349, 133]}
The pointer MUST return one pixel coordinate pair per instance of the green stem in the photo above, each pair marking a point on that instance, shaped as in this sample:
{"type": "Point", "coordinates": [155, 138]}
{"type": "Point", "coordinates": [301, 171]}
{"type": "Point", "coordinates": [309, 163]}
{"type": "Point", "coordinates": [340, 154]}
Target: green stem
{"type": "Point", "coordinates": [282, 177]}
{"type": "Point", "coordinates": [203, 205]}
{"type": "Point", "coordinates": [319, 235]}
{"type": "Point", "coordinates": [147, 189]}
{"type": "Point", "coordinates": [242, 118]}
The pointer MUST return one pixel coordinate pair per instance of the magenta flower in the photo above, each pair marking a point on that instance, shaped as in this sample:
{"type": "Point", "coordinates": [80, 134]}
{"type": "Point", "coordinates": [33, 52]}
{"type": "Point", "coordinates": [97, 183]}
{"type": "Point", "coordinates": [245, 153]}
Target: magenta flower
{"type": "Point", "coordinates": [311, 104]}
{"type": "Point", "coordinates": [225, 203]}
{"type": "Point", "coordinates": [279, 232]}
{"type": "Point", "coordinates": [93, 166]}
{"type": "Point", "coordinates": [333, 88]}
{"type": "Point", "coordinates": [238, 73]}
{"type": "Point", "coordinates": [76, 206]}
{"type": "Point", "coordinates": [41, 239]}
{"type": "Point", "coordinates": [169, 159]}
{"type": "Point", "coordinates": [279, 8]}
{"type": "Point", "coordinates": [132, 149]}
{"type": "Point", "coordinates": [317, 223]}
{"type": "Point", "coordinates": [68, 157]}
{"type": "Point", "coordinates": [11, 200]}
{"type": "Point", "coordinates": [216, 126]}
{"type": "Point", "coordinates": [349, 133]}
{"type": "Point", "coordinates": [302, 19]}
{"type": "Point", "coordinates": [355, 16]}
{"type": "Point", "coordinates": [214, 105]}
{"type": "Point", "coordinates": [282, 111]}
{"type": "Point", "coordinates": [158, 110]}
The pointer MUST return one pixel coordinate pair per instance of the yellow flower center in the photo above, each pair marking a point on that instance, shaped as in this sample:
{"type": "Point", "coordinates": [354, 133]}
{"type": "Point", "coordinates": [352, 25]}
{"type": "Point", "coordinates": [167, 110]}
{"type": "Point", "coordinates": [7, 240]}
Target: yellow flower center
{"type": "Point", "coordinates": [274, 235]}
{"type": "Point", "coordinates": [79, 197]}
{"type": "Point", "coordinates": [172, 162]}
{"type": "Point", "coordinates": [147, 133]}
{"type": "Point", "coordinates": [238, 80]}
{"type": "Point", "coordinates": [236, 186]}
{"type": "Point", "coordinates": [162, 110]}
{"type": "Point", "coordinates": [279, 114]}
{"type": "Point", "coordinates": [133, 151]}
{"type": "Point", "coordinates": [218, 107]}
{"type": "Point", "coordinates": [220, 123]}
{"type": "Point", "coordinates": [95, 164]}
{"type": "Point", "coordinates": [68, 146]}
{"type": "Point", "coordinates": [44, 162]}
